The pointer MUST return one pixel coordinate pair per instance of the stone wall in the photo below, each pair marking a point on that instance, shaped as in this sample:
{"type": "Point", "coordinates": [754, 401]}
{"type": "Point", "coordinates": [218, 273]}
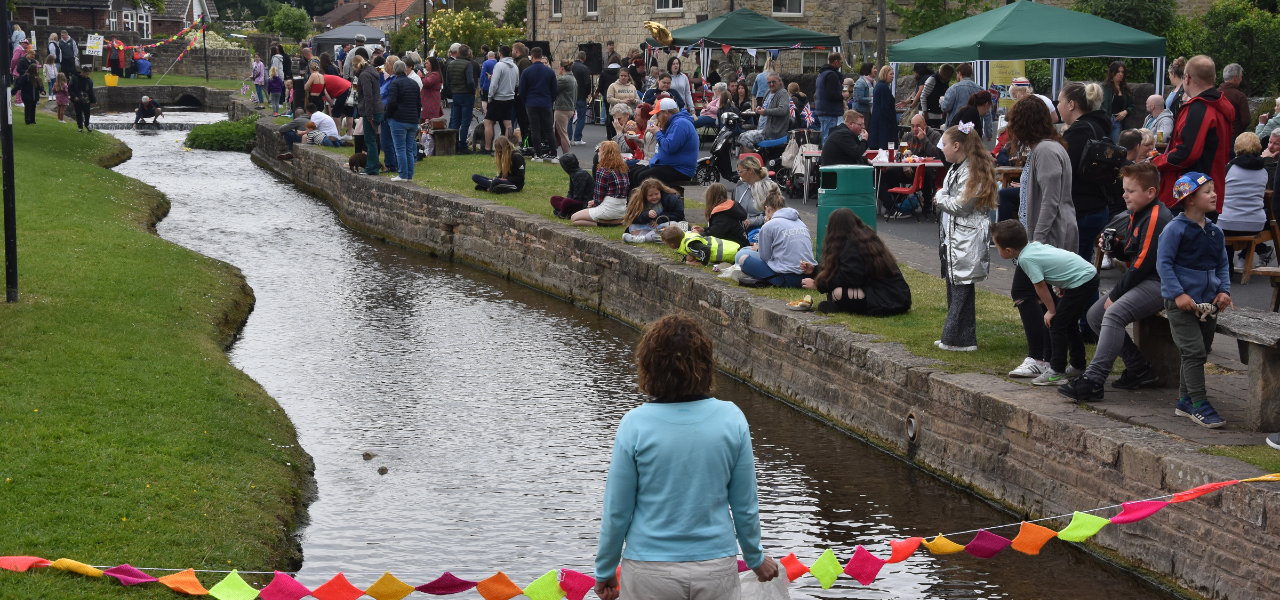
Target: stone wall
{"type": "Point", "coordinates": [223, 64]}
{"type": "Point", "coordinates": [128, 97]}
{"type": "Point", "coordinates": [1020, 446]}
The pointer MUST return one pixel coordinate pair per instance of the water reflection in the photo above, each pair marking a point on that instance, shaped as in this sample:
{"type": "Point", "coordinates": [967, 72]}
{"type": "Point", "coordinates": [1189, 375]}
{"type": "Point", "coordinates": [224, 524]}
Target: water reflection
{"type": "Point", "coordinates": [493, 408]}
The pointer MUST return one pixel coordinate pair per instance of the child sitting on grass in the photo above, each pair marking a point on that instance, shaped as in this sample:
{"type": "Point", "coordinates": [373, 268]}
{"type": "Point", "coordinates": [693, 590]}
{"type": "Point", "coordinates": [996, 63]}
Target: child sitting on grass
{"type": "Point", "coordinates": [1077, 282]}
{"type": "Point", "coordinates": [609, 202]}
{"type": "Point", "coordinates": [1195, 281]}
{"type": "Point", "coordinates": [510, 170]}
{"type": "Point", "coordinates": [859, 274]}
{"type": "Point", "coordinates": [783, 244]}
{"type": "Point", "coordinates": [698, 248]}
{"type": "Point", "coordinates": [581, 187]}
{"type": "Point", "coordinates": [649, 203]}
{"type": "Point", "coordinates": [724, 216]}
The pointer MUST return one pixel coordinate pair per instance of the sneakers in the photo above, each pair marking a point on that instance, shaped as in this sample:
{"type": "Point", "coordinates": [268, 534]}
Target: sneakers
{"type": "Point", "coordinates": [1081, 389]}
{"type": "Point", "coordinates": [1131, 380]}
{"type": "Point", "coordinates": [579, 143]}
{"type": "Point", "coordinates": [1273, 440]}
{"type": "Point", "coordinates": [951, 348]}
{"type": "Point", "coordinates": [397, 178]}
{"type": "Point", "coordinates": [1204, 415]}
{"type": "Point", "coordinates": [633, 239]}
{"type": "Point", "coordinates": [1030, 367]}
{"type": "Point", "coordinates": [1073, 372]}
{"type": "Point", "coordinates": [1265, 255]}
{"type": "Point", "coordinates": [1051, 377]}
{"type": "Point", "coordinates": [1106, 262]}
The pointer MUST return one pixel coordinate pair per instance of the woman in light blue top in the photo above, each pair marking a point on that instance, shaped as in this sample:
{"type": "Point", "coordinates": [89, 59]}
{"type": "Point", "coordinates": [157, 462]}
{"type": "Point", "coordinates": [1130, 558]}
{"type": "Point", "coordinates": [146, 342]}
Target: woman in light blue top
{"type": "Point", "coordinates": [681, 492]}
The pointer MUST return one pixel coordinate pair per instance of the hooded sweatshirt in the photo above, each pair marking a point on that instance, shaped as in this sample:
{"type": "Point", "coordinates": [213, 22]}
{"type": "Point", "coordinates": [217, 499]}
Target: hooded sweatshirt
{"type": "Point", "coordinates": [502, 86]}
{"type": "Point", "coordinates": [678, 145]}
{"type": "Point", "coordinates": [1201, 142]}
{"type": "Point", "coordinates": [1243, 208]}
{"type": "Point", "coordinates": [1192, 260]}
{"type": "Point", "coordinates": [726, 223]}
{"type": "Point", "coordinates": [1088, 196]}
{"type": "Point", "coordinates": [669, 206]}
{"type": "Point", "coordinates": [784, 242]}
{"type": "Point", "coordinates": [581, 185]}
{"type": "Point", "coordinates": [538, 86]}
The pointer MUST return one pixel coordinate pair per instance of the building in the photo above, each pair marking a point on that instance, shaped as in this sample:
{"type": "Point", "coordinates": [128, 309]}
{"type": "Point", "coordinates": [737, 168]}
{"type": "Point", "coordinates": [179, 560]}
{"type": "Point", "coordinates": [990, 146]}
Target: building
{"type": "Point", "coordinates": [388, 13]}
{"type": "Point", "coordinates": [347, 11]}
{"type": "Point", "coordinates": [180, 14]}
{"type": "Point", "coordinates": [89, 14]}
{"type": "Point", "coordinates": [113, 15]}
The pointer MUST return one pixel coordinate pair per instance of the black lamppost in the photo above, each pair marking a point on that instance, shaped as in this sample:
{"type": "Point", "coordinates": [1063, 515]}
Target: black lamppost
{"type": "Point", "coordinates": [6, 147]}
{"type": "Point", "coordinates": [395, 7]}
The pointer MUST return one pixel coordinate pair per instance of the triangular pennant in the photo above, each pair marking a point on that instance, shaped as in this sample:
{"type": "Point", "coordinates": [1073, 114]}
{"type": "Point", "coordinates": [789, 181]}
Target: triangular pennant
{"type": "Point", "coordinates": [446, 584]}
{"type": "Point", "coordinates": [1082, 527]}
{"type": "Point", "coordinates": [725, 48]}
{"type": "Point", "coordinates": [129, 575]}
{"type": "Point", "coordinates": [826, 569]}
{"type": "Point", "coordinates": [942, 545]}
{"type": "Point", "coordinates": [337, 588]}
{"type": "Point", "coordinates": [22, 563]}
{"type": "Point", "coordinates": [75, 566]}
{"type": "Point", "coordinates": [575, 584]}
{"type": "Point", "coordinates": [498, 587]}
{"type": "Point", "coordinates": [794, 567]}
{"type": "Point", "coordinates": [388, 587]}
{"type": "Point", "coordinates": [1271, 477]}
{"type": "Point", "coordinates": [986, 544]}
{"type": "Point", "coordinates": [742, 566]}
{"type": "Point", "coordinates": [546, 587]}
{"type": "Point", "coordinates": [284, 587]}
{"type": "Point", "coordinates": [233, 587]}
{"type": "Point", "coordinates": [1137, 511]}
{"type": "Point", "coordinates": [903, 549]}
{"type": "Point", "coordinates": [1032, 537]}
{"type": "Point", "coordinates": [1196, 492]}
{"type": "Point", "coordinates": [864, 566]}
{"type": "Point", "coordinates": [185, 582]}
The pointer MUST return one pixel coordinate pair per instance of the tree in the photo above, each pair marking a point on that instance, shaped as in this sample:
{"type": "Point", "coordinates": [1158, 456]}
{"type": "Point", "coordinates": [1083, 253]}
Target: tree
{"type": "Point", "coordinates": [926, 15]}
{"type": "Point", "coordinates": [1233, 31]}
{"type": "Point", "coordinates": [513, 15]}
{"type": "Point", "coordinates": [1152, 16]}
{"type": "Point", "coordinates": [292, 22]}
{"type": "Point", "coordinates": [469, 27]}
{"type": "Point", "coordinates": [267, 23]}
{"type": "Point", "coordinates": [408, 38]}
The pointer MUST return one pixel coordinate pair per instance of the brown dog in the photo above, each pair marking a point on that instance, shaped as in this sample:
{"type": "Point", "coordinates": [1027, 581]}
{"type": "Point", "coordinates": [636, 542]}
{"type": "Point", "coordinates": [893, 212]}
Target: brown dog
{"type": "Point", "coordinates": [358, 161]}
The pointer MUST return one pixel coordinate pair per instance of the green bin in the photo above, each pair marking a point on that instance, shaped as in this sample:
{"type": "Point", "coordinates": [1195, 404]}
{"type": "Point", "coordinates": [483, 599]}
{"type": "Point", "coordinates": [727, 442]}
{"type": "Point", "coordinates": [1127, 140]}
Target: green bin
{"type": "Point", "coordinates": [845, 186]}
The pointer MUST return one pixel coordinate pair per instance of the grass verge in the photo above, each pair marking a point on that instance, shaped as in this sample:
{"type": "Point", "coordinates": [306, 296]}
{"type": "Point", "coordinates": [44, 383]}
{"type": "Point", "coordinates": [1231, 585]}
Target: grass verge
{"type": "Point", "coordinates": [1264, 457]}
{"type": "Point", "coordinates": [100, 79]}
{"type": "Point", "coordinates": [129, 436]}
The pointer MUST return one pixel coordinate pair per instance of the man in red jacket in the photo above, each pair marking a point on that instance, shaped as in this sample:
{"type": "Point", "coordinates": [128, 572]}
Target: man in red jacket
{"type": "Point", "coordinates": [1201, 133]}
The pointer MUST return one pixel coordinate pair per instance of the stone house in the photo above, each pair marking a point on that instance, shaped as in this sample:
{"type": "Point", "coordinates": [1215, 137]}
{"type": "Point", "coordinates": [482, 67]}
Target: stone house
{"type": "Point", "coordinates": [347, 11]}
{"type": "Point", "coordinates": [387, 13]}
{"type": "Point", "coordinates": [113, 15]}
{"type": "Point", "coordinates": [180, 14]}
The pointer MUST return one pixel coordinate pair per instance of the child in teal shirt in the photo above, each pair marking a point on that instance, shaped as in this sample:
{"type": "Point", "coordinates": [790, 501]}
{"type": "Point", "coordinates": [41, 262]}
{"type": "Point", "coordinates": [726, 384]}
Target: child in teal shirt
{"type": "Point", "coordinates": [1077, 283]}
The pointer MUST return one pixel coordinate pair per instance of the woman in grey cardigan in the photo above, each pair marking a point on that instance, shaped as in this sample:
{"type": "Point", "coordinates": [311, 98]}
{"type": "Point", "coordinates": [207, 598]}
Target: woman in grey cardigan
{"type": "Point", "coordinates": [1046, 210]}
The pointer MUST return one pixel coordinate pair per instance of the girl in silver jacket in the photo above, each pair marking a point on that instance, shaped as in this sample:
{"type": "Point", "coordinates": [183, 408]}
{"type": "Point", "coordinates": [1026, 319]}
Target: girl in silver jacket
{"type": "Point", "coordinates": [967, 196]}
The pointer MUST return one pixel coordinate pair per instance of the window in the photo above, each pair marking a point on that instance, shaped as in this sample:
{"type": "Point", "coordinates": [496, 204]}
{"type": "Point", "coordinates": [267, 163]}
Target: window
{"type": "Point", "coordinates": [144, 24]}
{"type": "Point", "coordinates": [556, 8]}
{"type": "Point", "coordinates": [112, 19]}
{"type": "Point", "coordinates": [593, 7]}
{"type": "Point", "coordinates": [41, 16]}
{"type": "Point", "coordinates": [788, 7]}
{"type": "Point", "coordinates": [669, 4]}
{"type": "Point", "coordinates": [128, 21]}
{"type": "Point", "coordinates": [811, 62]}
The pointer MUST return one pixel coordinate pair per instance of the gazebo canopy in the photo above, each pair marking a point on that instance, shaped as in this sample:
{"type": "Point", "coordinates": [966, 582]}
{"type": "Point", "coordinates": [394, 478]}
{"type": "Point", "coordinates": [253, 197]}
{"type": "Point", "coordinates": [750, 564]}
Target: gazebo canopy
{"type": "Point", "coordinates": [1026, 31]}
{"type": "Point", "coordinates": [347, 35]}
{"type": "Point", "coordinates": [745, 28]}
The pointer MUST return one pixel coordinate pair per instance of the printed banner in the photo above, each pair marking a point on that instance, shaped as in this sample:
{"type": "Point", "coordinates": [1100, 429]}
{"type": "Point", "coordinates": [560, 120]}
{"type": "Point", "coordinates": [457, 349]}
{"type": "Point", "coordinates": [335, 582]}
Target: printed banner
{"type": "Point", "coordinates": [94, 46]}
{"type": "Point", "coordinates": [1003, 72]}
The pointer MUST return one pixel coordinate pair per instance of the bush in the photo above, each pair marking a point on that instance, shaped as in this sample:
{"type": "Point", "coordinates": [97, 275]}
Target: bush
{"type": "Point", "coordinates": [223, 135]}
{"type": "Point", "coordinates": [1233, 31]}
{"type": "Point", "coordinates": [469, 27]}
{"type": "Point", "coordinates": [408, 38]}
{"type": "Point", "coordinates": [292, 22]}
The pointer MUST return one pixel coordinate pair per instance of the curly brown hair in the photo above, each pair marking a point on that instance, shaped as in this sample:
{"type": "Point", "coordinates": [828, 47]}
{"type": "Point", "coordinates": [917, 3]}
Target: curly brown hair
{"type": "Point", "coordinates": [674, 359]}
{"type": "Point", "coordinates": [1030, 122]}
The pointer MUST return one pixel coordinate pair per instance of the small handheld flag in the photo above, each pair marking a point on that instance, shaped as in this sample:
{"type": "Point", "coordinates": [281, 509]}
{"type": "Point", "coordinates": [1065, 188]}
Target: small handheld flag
{"type": "Point", "coordinates": [808, 115]}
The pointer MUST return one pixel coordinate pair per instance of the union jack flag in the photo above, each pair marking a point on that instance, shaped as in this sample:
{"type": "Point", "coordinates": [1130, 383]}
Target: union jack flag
{"type": "Point", "coordinates": [796, 46]}
{"type": "Point", "coordinates": [808, 115]}
{"type": "Point", "coordinates": [792, 103]}
{"type": "Point", "coordinates": [739, 73]}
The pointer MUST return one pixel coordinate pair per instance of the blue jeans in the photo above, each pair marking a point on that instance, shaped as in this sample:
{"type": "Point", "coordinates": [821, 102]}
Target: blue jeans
{"type": "Point", "coordinates": [1090, 226]}
{"type": "Point", "coordinates": [460, 117]}
{"type": "Point", "coordinates": [755, 268]}
{"type": "Point", "coordinates": [404, 136]}
{"type": "Point", "coordinates": [371, 143]}
{"type": "Point", "coordinates": [387, 142]}
{"type": "Point", "coordinates": [292, 137]}
{"type": "Point", "coordinates": [582, 121]}
{"type": "Point", "coordinates": [257, 89]}
{"type": "Point", "coordinates": [705, 122]}
{"type": "Point", "coordinates": [1116, 126]}
{"type": "Point", "coordinates": [827, 124]}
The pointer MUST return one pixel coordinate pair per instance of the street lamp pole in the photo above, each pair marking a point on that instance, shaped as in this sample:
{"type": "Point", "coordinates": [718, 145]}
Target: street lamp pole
{"type": "Point", "coordinates": [6, 147]}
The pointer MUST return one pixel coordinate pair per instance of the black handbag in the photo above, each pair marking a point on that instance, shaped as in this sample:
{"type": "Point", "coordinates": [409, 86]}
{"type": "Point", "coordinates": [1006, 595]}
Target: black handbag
{"type": "Point", "coordinates": [1101, 160]}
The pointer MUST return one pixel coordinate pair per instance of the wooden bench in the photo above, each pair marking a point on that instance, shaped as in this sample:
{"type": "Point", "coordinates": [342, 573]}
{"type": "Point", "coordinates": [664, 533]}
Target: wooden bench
{"type": "Point", "coordinates": [1258, 336]}
{"type": "Point", "coordinates": [1274, 274]}
{"type": "Point", "coordinates": [1249, 243]}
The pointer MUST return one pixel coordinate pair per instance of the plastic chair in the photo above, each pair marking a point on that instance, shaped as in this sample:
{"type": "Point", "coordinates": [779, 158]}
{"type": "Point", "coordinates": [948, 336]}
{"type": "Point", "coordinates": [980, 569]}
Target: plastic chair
{"type": "Point", "coordinates": [917, 184]}
{"type": "Point", "coordinates": [757, 157]}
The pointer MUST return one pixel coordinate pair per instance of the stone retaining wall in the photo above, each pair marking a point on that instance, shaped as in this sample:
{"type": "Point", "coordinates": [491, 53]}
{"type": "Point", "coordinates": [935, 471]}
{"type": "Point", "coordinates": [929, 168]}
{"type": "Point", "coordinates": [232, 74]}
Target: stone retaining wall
{"type": "Point", "coordinates": [1020, 446]}
{"type": "Point", "coordinates": [127, 97]}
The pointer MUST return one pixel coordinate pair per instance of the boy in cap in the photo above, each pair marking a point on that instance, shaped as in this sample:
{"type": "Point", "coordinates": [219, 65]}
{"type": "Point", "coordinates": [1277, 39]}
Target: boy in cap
{"type": "Point", "coordinates": [1195, 281]}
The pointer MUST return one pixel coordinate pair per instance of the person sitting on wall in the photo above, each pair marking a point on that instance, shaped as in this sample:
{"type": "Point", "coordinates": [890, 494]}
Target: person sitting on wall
{"type": "Point", "coordinates": [148, 109]}
{"type": "Point", "coordinates": [290, 132]}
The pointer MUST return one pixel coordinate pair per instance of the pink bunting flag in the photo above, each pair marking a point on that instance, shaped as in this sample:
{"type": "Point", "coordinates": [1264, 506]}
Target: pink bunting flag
{"type": "Point", "coordinates": [725, 47]}
{"type": "Point", "coordinates": [1196, 492]}
{"type": "Point", "coordinates": [446, 584]}
{"type": "Point", "coordinates": [575, 584]}
{"type": "Point", "coordinates": [742, 566]}
{"type": "Point", "coordinates": [129, 575]}
{"type": "Point", "coordinates": [20, 564]}
{"type": "Point", "coordinates": [284, 587]}
{"type": "Point", "coordinates": [986, 544]}
{"type": "Point", "coordinates": [1137, 511]}
{"type": "Point", "coordinates": [864, 566]}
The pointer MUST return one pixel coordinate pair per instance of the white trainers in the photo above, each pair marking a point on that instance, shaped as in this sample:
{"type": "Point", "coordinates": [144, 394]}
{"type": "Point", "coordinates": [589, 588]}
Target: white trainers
{"type": "Point", "coordinates": [943, 346]}
{"type": "Point", "coordinates": [1051, 377]}
{"type": "Point", "coordinates": [397, 178]}
{"type": "Point", "coordinates": [1106, 262]}
{"type": "Point", "coordinates": [1030, 367]}
{"type": "Point", "coordinates": [632, 239]}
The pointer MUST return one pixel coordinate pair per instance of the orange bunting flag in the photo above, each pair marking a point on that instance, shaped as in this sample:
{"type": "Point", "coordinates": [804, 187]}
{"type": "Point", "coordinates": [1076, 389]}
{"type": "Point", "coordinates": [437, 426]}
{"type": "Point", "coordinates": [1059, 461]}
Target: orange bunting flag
{"type": "Point", "coordinates": [1196, 492]}
{"type": "Point", "coordinates": [794, 567]}
{"type": "Point", "coordinates": [498, 587]}
{"type": "Point", "coordinates": [902, 550]}
{"type": "Point", "coordinates": [20, 564]}
{"type": "Point", "coordinates": [185, 582]}
{"type": "Point", "coordinates": [388, 587]}
{"type": "Point", "coordinates": [942, 545]}
{"type": "Point", "coordinates": [337, 588]}
{"type": "Point", "coordinates": [1031, 538]}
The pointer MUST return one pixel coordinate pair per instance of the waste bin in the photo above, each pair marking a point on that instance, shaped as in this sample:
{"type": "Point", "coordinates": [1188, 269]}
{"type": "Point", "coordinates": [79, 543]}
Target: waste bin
{"type": "Point", "coordinates": [845, 186]}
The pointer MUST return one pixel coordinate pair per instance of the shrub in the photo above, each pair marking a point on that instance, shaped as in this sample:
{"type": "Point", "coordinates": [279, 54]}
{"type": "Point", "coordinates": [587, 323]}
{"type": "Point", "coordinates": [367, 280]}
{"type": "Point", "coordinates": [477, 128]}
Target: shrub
{"type": "Point", "coordinates": [1233, 31]}
{"type": "Point", "coordinates": [469, 27]}
{"type": "Point", "coordinates": [223, 135]}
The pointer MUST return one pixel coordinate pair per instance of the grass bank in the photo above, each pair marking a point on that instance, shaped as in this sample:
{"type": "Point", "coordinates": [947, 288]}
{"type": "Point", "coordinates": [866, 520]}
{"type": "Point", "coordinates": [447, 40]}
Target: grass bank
{"type": "Point", "coordinates": [99, 79]}
{"type": "Point", "coordinates": [129, 436]}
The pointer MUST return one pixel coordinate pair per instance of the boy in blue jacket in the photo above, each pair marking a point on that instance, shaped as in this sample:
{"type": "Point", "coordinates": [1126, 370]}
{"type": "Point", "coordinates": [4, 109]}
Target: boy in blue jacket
{"type": "Point", "coordinates": [1195, 281]}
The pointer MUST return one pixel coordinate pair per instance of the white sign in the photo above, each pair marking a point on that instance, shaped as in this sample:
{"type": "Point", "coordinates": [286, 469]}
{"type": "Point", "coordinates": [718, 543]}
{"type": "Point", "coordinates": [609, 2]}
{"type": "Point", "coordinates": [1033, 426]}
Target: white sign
{"type": "Point", "coordinates": [94, 46]}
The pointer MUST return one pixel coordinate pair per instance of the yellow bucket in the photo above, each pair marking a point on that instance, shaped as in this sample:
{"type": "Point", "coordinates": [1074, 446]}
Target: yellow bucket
{"type": "Point", "coordinates": [112, 80]}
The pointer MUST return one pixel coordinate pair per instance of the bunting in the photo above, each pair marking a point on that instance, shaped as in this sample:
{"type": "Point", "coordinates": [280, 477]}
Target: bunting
{"type": "Point", "coordinates": [567, 584]}
{"type": "Point", "coordinates": [170, 39]}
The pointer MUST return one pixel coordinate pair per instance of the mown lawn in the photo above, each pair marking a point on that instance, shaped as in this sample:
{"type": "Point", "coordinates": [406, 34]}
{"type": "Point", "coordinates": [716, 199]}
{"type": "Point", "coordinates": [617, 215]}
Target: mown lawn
{"type": "Point", "coordinates": [1264, 457]}
{"type": "Point", "coordinates": [99, 78]}
{"type": "Point", "coordinates": [127, 434]}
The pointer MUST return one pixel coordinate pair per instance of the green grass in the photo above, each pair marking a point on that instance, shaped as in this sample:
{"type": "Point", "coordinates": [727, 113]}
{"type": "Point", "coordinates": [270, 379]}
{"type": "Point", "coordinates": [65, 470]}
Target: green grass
{"type": "Point", "coordinates": [1264, 457]}
{"type": "Point", "coordinates": [128, 435]}
{"type": "Point", "coordinates": [99, 78]}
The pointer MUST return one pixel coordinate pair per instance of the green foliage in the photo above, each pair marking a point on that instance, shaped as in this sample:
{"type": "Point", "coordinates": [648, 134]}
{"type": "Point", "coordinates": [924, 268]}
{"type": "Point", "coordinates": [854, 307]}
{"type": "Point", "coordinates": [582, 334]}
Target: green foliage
{"type": "Point", "coordinates": [1233, 31]}
{"type": "Point", "coordinates": [1136, 70]}
{"type": "Point", "coordinates": [513, 15]}
{"type": "Point", "coordinates": [926, 15]}
{"type": "Point", "coordinates": [223, 135]}
{"type": "Point", "coordinates": [292, 22]}
{"type": "Point", "coordinates": [1152, 16]}
{"type": "Point", "coordinates": [267, 22]}
{"type": "Point", "coordinates": [1037, 71]}
{"type": "Point", "coordinates": [408, 38]}
{"type": "Point", "coordinates": [469, 27]}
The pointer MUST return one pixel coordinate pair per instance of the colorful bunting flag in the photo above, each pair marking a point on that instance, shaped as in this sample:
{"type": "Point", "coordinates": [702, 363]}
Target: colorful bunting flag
{"type": "Point", "coordinates": [20, 564]}
{"type": "Point", "coordinates": [185, 582]}
{"type": "Point", "coordinates": [388, 587]}
{"type": "Point", "coordinates": [864, 566]}
{"type": "Point", "coordinates": [1032, 537]}
{"type": "Point", "coordinates": [725, 48]}
{"type": "Point", "coordinates": [575, 584]}
{"type": "Point", "coordinates": [742, 566]}
{"type": "Point", "coordinates": [284, 587]}
{"type": "Point", "coordinates": [129, 575]}
{"type": "Point", "coordinates": [446, 584]}
{"type": "Point", "coordinates": [1196, 492]}
{"type": "Point", "coordinates": [942, 545]}
{"type": "Point", "coordinates": [1271, 477]}
{"type": "Point", "coordinates": [546, 587]}
{"type": "Point", "coordinates": [1082, 527]}
{"type": "Point", "coordinates": [67, 564]}
{"type": "Point", "coordinates": [794, 567]}
{"type": "Point", "coordinates": [826, 569]}
{"type": "Point", "coordinates": [902, 550]}
{"type": "Point", "coordinates": [337, 588]}
{"type": "Point", "coordinates": [233, 587]}
{"type": "Point", "coordinates": [796, 46]}
{"type": "Point", "coordinates": [986, 544]}
{"type": "Point", "coordinates": [1137, 511]}
{"type": "Point", "coordinates": [498, 587]}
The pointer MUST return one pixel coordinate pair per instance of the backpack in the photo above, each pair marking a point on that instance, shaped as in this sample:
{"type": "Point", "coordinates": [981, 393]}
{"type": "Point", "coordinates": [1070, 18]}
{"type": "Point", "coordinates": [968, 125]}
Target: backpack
{"type": "Point", "coordinates": [1101, 160]}
{"type": "Point", "coordinates": [909, 204]}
